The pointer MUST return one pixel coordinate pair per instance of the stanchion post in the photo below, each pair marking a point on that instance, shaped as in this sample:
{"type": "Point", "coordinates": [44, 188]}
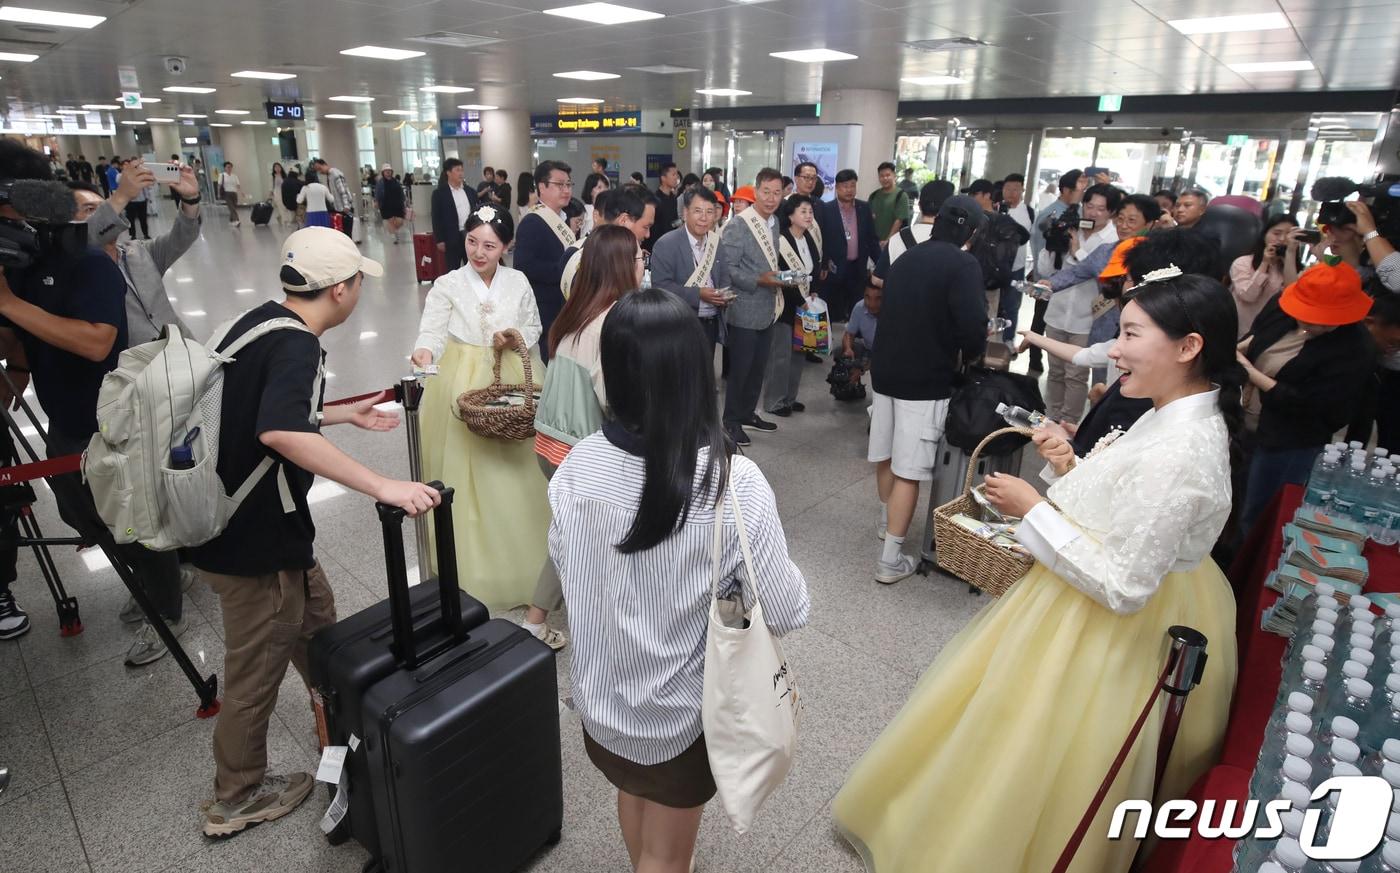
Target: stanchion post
{"type": "Point", "coordinates": [1188, 664]}
{"type": "Point", "coordinates": [410, 391]}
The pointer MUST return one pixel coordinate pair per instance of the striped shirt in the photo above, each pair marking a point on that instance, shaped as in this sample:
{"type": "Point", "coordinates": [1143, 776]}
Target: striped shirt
{"type": "Point", "coordinates": [639, 621]}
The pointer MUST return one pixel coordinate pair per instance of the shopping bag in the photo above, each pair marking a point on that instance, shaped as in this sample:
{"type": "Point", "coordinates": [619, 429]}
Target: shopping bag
{"type": "Point", "coordinates": [811, 328]}
{"type": "Point", "coordinates": [357, 231]}
{"type": "Point", "coordinates": [338, 222]}
{"type": "Point", "coordinates": [750, 700]}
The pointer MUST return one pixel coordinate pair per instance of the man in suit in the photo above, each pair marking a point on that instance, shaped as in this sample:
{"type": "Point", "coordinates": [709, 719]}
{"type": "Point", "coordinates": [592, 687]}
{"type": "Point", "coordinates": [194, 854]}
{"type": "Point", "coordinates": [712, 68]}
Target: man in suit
{"type": "Point", "coordinates": [666, 206]}
{"type": "Point", "coordinates": [631, 206]}
{"type": "Point", "coordinates": [676, 255]}
{"type": "Point", "coordinates": [453, 203]}
{"type": "Point", "coordinates": [847, 220]}
{"type": "Point", "coordinates": [542, 238]}
{"type": "Point", "coordinates": [749, 244]}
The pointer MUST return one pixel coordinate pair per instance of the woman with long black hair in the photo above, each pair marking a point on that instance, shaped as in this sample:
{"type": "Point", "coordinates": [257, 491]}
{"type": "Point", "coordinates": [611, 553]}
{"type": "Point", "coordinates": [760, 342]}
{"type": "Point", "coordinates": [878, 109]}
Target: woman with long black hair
{"type": "Point", "coordinates": [1260, 276]}
{"type": "Point", "coordinates": [1024, 711]}
{"type": "Point", "coordinates": [634, 513]}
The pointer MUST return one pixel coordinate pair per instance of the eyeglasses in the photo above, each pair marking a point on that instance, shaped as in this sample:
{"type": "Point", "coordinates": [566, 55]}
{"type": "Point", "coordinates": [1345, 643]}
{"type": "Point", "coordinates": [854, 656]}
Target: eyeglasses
{"type": "Point", "coordinates": [643, 256]}
{"type": "Point", "coordinates": [568, 186]}
{"type": "Point", "coordinates": [806, 175]}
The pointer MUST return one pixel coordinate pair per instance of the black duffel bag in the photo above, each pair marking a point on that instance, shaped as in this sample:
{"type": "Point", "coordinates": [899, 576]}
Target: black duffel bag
{"type": "Point", "coordinates": [972, 411]}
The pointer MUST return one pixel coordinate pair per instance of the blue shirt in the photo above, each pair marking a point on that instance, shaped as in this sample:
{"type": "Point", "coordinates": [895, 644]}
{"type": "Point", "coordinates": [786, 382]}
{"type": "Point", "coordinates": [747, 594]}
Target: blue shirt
{"type": "Point", "coordinates": [862, 325]}
{"type": "Point", "coordinates": [112, 177]}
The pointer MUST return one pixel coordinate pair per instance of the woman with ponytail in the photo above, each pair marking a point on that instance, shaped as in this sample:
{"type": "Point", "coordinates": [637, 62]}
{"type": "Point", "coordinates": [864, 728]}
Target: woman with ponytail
{"type": "Point", "coordinates": [1025, 710]}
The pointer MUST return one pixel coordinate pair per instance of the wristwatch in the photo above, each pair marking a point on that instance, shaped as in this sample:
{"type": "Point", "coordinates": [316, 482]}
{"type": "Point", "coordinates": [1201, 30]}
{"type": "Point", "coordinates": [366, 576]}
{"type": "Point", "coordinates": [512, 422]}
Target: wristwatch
{"type": "Point", "coordinates": [193, 201]}
{"type": "Point", "coordinates": [1370, 235]}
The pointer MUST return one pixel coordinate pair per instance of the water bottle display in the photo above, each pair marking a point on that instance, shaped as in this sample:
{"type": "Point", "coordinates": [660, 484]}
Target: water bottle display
{"type": "Point", "coordinates": [1352, 486]}
{"type": "Point", "coordinates": [1355, 703]}
{"type": "Point", "coordinates": [1322, 482]}
{"type": "Point", "coordinates": [1288, 855]}
{"type": "Point", "coordinates": [1016, 416]}
{"type": "Point", "coordinates": [1269, 775]}
{"type": "Point", "coordinates": [1389, 861]}
{"type": "Point", "coordinates": [997, 326]}
{"type": "Point", "coordinates": [1252, 852]}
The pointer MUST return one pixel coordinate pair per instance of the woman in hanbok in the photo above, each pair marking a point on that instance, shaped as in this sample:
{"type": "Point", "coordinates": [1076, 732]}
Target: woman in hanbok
{"type": "Point", "coordinates": [1004, 742]}
{"type": "Point", "coordinates": [500, 510]}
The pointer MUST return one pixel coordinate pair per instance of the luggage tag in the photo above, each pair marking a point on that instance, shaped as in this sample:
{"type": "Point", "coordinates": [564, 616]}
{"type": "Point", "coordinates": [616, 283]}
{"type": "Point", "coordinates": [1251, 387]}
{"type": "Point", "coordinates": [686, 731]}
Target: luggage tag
{"type": "Point", "coordinates": [340, 804]}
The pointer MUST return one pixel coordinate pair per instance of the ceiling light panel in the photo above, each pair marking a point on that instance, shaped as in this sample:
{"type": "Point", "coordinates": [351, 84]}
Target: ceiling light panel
{"type": "Point", "coordinates": [478, 107]}
{"type": "Point", "coordinates": [1272, 67]}
{"type": "Point", "coordinates": [813, 56]}
{"type": "Point", "coordinates": [1231, 23]}
{"type": "Point", "coordinates": [400, 112]}
{"type": "Point", "coordinates": [446, 89]}
{"type": "Point", "coordinates": [253, 123]}
{"type": "Point", "coordinates": [191, 115]}
{"type": "Point", "coordinates": [187, 89]}
{"type": "Point", "coordinates": [382, 53]}
{"type": "Point", "coordinates": [338, 117]}
{"type": "Point", "coordinates": [259, 74]}
{"type": "Point", "coordinates": [664, 69]}
{"type": "Point", "coordinates": [161, 120]}
{"type": "Point", "coordinates": [580, 101]}
{"type": "Point", "coordinates": [586, 75]}
{"type": "Point", "coordinates": [21, 15]}
{"type": "Point", "coordinates": [347, 98]}
{"type": "Point", "coordinates": [231, 112]}
{"type": "Point", "coordinates": [723, 92]}
{"type": "Point", "coordinates": [95, 106]}
{"type": "Point", "coordinates": [604, 13]}
{"type": "Point", "coordinates": [18, 57]}
{"type": "Point", "coordinates": [219, 124]}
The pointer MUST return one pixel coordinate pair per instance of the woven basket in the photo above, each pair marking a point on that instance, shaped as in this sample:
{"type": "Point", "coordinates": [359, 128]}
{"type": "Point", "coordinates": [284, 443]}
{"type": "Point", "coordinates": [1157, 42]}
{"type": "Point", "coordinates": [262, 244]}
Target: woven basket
{"type": "Point", "coordinates": [961, 552]}
{"type": "Point", "coordinates": [501, 422]}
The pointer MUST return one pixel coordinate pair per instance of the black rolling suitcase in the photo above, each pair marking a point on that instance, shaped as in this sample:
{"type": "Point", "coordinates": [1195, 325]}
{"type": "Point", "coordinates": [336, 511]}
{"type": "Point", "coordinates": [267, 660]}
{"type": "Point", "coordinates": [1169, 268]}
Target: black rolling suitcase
{"type": "Point", "coordinates": [262, 212]}
{"type": "Point", "coordinates": [348, 657]}
{"type": "Point", "coordinates": [462, 743]}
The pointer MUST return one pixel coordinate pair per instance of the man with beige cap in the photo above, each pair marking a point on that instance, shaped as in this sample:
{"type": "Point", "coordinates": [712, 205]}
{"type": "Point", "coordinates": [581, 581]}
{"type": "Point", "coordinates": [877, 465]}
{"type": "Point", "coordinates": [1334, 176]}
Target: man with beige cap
{"type": "Point", "coordinates": [272, 591]}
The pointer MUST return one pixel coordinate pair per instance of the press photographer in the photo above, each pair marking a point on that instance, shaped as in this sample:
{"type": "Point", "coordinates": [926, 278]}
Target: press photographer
{"type": "Point", "coordinates": [1362, 232]}
{"type": "Point", "coordinates": [63, 318]}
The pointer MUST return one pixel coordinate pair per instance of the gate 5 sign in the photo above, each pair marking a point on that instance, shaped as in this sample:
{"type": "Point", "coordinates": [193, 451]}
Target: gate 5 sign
{"type": "Point", "coordinates": [682, 139]}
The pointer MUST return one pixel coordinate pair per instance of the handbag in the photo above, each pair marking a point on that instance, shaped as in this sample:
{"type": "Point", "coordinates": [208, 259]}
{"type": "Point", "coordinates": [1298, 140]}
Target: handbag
{"type": "Point", "coordinates": [750, 703]}
{"type": "Point", "coordinates": [811, 327]}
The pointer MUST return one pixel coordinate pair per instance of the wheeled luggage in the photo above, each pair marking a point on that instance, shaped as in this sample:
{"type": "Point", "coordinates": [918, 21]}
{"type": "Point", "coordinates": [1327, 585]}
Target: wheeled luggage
{"type": "Point", "coordinates": [348, 657]}
{"type": "Point", "coordinates": [461, 742]}
{"type": "Point", "coordinates": [949, 473]}
{"type": "Point", "coordinates": [262, 212]}
{"type": "Point", "coordinates": [427, 260]}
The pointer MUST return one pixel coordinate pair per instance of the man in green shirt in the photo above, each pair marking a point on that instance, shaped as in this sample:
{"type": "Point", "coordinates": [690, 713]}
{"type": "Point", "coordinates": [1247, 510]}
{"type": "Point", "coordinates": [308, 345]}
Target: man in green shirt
{"type": "Point", "coordinates": [889, 204]}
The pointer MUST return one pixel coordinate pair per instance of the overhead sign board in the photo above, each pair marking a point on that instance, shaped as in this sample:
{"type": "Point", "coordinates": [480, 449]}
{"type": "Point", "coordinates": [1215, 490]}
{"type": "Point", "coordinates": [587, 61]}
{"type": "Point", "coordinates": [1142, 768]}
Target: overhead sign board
{"type": "Point", "coordinates": [1110, 102]}
{"type": "Point", "coordinates": [585, 122]}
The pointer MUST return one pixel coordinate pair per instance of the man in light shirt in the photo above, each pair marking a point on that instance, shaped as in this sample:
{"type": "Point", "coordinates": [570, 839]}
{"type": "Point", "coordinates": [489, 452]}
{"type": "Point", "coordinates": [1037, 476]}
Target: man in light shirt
{"type": "Point", "coordinates": [676, 255]}
{"type": "Point", "coordinates": [452, 204]}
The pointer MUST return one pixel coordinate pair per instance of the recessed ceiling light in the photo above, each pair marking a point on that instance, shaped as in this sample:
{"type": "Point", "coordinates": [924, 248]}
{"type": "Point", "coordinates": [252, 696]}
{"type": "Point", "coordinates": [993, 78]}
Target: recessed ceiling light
{"type": "Point", "coordinates": [604, 13]}
{"type": "Point", "coordinates": [258, 74]}
{"type": "Point", "coordinates": [338, 116]}
{"type": "Point", "coordinates": [100, 106]}
{"type": "Point", "coordinates": [255, 123]}
{"type": "Point", "coordinates": [1231, 23]}
{"type": "Point", "coordinates": [580, 101]}
{"type": "Point", "coordinates": [478, 107]}
{"type": "Point", "coordinates": [53, 19]}
{"type": "Point", "coordinates": [161, 120]}
{"type": "Point", "coordinates": [192, 115]}
{"type": "Point", "coordinates": [54, 116]}
{"type": "Point", "coordinates": [447, 89]}
{"type": "Point", "coordinates": [400, 112]}
{"type": "Point", "coordinates": [231, 112]}
{"type": "Point", "coordinates": [191, 140]}
{"type": "Point", "coordinates": [934, 80]}
{"type": "Point", "coordinates": [586, 75]}
{"type": "Point", "coordinates": [345, 98]}
{"type": "Point", "coordinates": [133, 122]}
{"type": "Point", "coordinates": [70, 112]}
{"type": "Point", "coordinates": [664, 69]}
{"type": "Point", "coordinates": [218, 124]}
{"type": "Point", "coordinates": [813, 56]}
{"type": "Point", "coordinates": [1272, 67]}
{"type": "Point", "coordinates": [723, 92]}
{"type": "Point", "coordinates": [382, 53]}
{"type": "Point", "coordinates": [187, 89]}
{"type": "Point", "coordinates": [18, 57]}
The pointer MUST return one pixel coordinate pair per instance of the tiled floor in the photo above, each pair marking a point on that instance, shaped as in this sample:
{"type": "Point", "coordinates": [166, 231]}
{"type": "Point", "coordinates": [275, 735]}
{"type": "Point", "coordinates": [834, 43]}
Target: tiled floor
{"type": "Point", "coordinates": [110, 765]}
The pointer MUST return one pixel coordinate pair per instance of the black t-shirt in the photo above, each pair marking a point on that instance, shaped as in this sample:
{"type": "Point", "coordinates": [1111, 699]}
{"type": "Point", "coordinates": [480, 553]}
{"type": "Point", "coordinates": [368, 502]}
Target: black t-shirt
{"type": "Point", "coordinates": [1112, 412]}
{"type": "Point", "coordinates": [88, 288]}
{"type": "Point", "coordinates": [268, 388]}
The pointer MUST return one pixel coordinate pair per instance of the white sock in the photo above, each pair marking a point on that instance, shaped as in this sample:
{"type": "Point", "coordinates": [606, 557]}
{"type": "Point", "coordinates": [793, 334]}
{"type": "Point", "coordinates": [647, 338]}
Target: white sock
{"type": "Point", "coordinates": [532, 628]}
{"type": "Point", "coordinates": [884, 515]}
{"type": "Point", "coordinates": [893, 544]}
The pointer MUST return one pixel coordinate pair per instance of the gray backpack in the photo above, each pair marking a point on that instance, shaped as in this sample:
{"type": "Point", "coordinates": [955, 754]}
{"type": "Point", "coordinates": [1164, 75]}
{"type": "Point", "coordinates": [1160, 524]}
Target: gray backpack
{"type": "Point", "coordinates": [162, 395]}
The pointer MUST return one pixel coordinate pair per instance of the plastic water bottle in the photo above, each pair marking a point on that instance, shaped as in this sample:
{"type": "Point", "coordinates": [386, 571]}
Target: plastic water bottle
{"type": "Point", "coordinates": [1313, 682]}
{"type": "Point", "coordinates": [1389, 860]}
{"type": "Point", "coordinates": [1383, 664]}
{"type": "Point", "coordinates": [1017, 416]}
{"type": "Point", "coordinates": [1391, 773]}
{"type": "Point", "coordinates": [792, 277]}
{"type": "Point", "coordinates": [997, 326]}
{"type": "Point", "coordinates": [1326, 758]}
{"type": "Point", "coordinates": [1354, 702]}
{"type": "Point", "coordinates": [1251, 852]}
{"type": "Point", "coordinates": [1352, 488]}
{"type": "Point", "coordinates": [1372, 507]}
{"type": "Point", "coordinates": [1278, 726]}
{"type": "Point", "coordinates": [1294, 767]}
{"type": "Point", "coordinates": [1389, 533]}
{"type": "Point", "coordinates": [1271, 753]}
{"type": "Point", "coordinates": [1322, 482]}
{"type": "Point", "coordinates": [1350, 669]}
{"type": "Point", "coordinates": [1321, 598]}
{"type": "Point", "coordinates": [1329, 809]}
{"type": "Point", "coordinates": [1340, 726]}
{"type": "Point", "coordinates": [1289, 857]}
{"type": "Point", "coordinates": [1269, 774]}
{"type": "Point", "coordinates": [1293, 661]}
{"type": "Point", "coordinates": [1381, 748]}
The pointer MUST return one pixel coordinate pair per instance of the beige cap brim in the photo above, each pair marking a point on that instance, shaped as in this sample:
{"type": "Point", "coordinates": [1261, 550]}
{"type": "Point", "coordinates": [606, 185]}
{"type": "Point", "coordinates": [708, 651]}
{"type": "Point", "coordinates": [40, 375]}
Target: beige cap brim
{"type": "Point", "coordinates": [371, 267]}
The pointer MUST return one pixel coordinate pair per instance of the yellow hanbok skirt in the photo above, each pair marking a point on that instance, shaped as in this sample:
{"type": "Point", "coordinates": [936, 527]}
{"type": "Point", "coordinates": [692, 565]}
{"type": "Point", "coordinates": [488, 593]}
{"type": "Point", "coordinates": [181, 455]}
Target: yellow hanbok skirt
{"type": "Point", "coordinates": [1007, 737]}
{"type": "Point", "coordinates": [500, 510]}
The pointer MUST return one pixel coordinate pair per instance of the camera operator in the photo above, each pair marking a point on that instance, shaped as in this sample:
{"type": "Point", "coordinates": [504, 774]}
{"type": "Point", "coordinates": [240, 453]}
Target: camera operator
{"type": "Point", "coordinates": [66, 307]}
{"type": "Point", "coordinates": [1381, 250]}
{"type": "Point", "coordinates": [143, 263]}
{"type": "Point", "coordinates": [1072, 187]}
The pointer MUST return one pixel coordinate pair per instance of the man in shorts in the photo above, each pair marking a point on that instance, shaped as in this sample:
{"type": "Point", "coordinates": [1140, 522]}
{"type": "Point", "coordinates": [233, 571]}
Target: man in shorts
{"type": "Point", "coordinates": [933, 317]}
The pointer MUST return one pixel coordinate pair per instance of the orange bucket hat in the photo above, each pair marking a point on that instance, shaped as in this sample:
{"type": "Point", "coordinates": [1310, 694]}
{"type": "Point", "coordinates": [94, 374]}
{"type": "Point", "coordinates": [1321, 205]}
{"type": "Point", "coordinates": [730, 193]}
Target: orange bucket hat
{"type": "Point", "coordinates": [745, 192]}
{"type": "Point", "coordinates": [1116, 267]}
{"type": "Point", "coordinates": [1326, 294]}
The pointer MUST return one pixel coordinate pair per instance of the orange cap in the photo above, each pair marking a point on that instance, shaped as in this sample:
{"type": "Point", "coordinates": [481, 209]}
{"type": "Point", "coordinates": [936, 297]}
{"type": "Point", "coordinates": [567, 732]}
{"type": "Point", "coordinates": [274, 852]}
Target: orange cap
{"type": "Point", "coordinates": [745, 192]}
{"type": "Point", "coordinates": [1326, 294]}
{"type": "Point", "coordinates": [1115, 266]}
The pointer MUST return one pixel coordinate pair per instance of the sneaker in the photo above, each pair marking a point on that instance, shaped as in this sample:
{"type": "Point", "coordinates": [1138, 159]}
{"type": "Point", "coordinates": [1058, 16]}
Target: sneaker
{"type": "Point", "coordinates": [903, 568]}
{"type": "Point", "coordinates": [274, 798]}
{"type": "Point", "coordinates": [756, 423]}
{"type": "Point", "coordinates": [189, 574]}
{"type": "Point", "coordinates": [799, 406]}
{"type": "Point", "coordinates": [556, 640]}
{"type": "Point", "coordinates": [781, 411]}
{"type": "Point", "coordinates": [14, 622]}
{"type": "Point", "coordinates": [149, 646]}
{"type": "Point", "coordinates": [740, 438]}
{"type": "Point", "coordinates": [131, 613]}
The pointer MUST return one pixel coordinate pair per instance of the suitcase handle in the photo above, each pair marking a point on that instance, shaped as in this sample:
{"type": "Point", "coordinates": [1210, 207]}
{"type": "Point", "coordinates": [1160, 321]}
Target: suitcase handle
{"type": "Point", "coordinates": [391, 518]}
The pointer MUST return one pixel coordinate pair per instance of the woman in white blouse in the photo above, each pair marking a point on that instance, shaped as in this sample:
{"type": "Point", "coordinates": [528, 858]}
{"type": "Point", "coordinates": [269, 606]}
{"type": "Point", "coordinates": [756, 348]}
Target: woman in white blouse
{"type": "Point", "coordinates": [997, 755]}
{"type": "Point", "coordinates": [500, 512]}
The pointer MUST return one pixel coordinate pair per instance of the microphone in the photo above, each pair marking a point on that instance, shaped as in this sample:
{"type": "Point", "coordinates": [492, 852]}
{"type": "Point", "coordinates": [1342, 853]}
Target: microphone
{"type": "Point", "coordinates": [1333, 188]}
{"type": "Point", "coordinates": [41, 201]}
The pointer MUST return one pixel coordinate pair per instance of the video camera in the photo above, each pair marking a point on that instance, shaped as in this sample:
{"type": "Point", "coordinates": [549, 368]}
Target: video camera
{"type": "Point", "coordinates": [47, 226]}
{"type": "Point", "coordinates": [1057, 235]}
{"type": "Point", "coordinates": [1383, 197]}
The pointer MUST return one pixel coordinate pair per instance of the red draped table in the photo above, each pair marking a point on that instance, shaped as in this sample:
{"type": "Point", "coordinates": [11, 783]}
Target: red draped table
{"type": "Point", "coordinates": [1260, 674]}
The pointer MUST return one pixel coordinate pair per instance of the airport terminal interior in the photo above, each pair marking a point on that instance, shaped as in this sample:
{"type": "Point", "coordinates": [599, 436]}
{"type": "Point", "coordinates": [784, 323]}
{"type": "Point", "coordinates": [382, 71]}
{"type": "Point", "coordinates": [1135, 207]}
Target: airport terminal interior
{"type": "Point", "coordinates": [104, 765]}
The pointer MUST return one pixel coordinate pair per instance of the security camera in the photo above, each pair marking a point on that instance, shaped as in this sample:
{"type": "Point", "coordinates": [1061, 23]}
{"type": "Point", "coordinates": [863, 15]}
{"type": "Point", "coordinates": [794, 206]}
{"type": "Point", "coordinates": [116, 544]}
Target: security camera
{"type": "Point", "coordinates": [1108, 119]}
{"type": "Point", "coordinates": [175, 66]}
{"type": "Point", "coordinates": [1166, 131]}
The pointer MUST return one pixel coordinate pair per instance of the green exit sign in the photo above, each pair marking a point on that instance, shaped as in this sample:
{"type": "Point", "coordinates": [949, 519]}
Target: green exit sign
{"type": "Point", "coordinates": [1110, 102]}
{"type": "Point", "coordinates": [1236, 140]}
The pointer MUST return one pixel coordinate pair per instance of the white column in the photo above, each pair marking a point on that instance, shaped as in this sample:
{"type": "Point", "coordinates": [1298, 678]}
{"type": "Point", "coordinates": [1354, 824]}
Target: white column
{"type": "Point", "coordinates": [506, 143]}
{"type": "Point", "coordinates": [1008, 151]}
{"type": "Point", "coordinates": [165, 140]}
{"type": "Point", "coordinates": [336, 141]}
{"type": "Point", "coordinates": [876, 112]}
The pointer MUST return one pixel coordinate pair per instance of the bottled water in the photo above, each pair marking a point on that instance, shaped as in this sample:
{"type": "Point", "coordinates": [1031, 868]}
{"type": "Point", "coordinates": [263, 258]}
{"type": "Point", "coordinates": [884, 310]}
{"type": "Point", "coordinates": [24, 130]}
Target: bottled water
{"type": "Point", "coordinates": [1276, 737]}
{"type": "Point", "coordinates": [1383, 664]}
{"type": "Point", "coordinates": [1322, 598]}
{"type": "Point", "coordinates": [1340, 751]}
{"type": "Point", "coordinates": [1251, 852]}
{"type": "Point", "coordinates": [1391, 773]}
{"type": "Point", "coordinates": [1352, 489]}
{"type": "Point", "coordinates": [1330, 807]}
{"type": "Point", "coordinates": [1296, 702]}
{"type": "Point", "coordinates": [1313, 682]}
{"type": "Point", "coordinates": [1322, 482]}
{"type": "Point", "coordinates": [1269, 773]}
{"type": "Point", "coordinates": [1294, 768]}
{"type": "Point", "coordinates": [1381, 745]}
{"type": "Point", "coordinates": [1292, 661]}
{"type": "Point", "coordinates": [1289, 857]}
{"type": "Point", "coordinates": [1389, 860]}
{"type": "Point", "coordinates": [1389, 523]}
{"type": "Point", "coordinates": [791, 277]}
{"type": "Point", "coordinates": [1340, 726]}
{"type": "Point", "coordinates": [1016, 416]}
{"type": "Point", "coordinates": [1355, 703]}
{"type": "Point", "coordinates": [1350, 669]}
{"type": "Point", "coordinates": [997, 326]}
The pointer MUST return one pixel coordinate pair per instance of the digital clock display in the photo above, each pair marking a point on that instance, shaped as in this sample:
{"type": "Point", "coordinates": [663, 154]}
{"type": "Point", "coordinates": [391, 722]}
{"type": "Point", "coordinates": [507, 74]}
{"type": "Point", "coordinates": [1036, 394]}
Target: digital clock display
{"type": "Point", "coordinates": [285, 111]}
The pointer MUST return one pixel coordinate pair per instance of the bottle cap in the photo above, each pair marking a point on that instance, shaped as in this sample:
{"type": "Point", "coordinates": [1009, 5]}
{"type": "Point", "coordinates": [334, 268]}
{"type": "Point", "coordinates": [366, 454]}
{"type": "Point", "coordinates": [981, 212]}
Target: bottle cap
{"type": "Point", "coordinates": [1392, 683]}
{"type": "Point", "coordinates": [1378, 473]}
{"type": "Point", "coordinates": [1345, 727]}
{"type": "Point", "coordinates": [1390, 750]}
{"type": "Point", "coordinates": [1298, 723]}
{"type": "Point", "coordinates": [1356, 444]}
{"type": "Point", "coordinates": [1326, 628]}
{"type": "Point", "coordinates": [1361, 620]}
{"type": "Point", "coordinates": [1354, 670]}
{"type": "Point", "coordinates": [1300, 702]}
{"type": "Point", "coordinates": [1360, 688]}
{"type": "Point", "coordinates": [1296, 793]}
{"type": "Point", "coordinates": [1290, 853]}
{"type": "Point", "coordinates": [1391, 773]}
{"type": "Point", "coordinates": [1392, 827]}
{"type": "Point", "coordinates": [1361, 641]}
{"type": "Point", "coordinates": [1392, 611]}
{"type": "Point", "coordinates": [1348, 769]}
{"type": "Point", "coordinates": [1395, 653]}
{"type": "Point", "coordinates": [1361, 600]}
{"type": "Point", "coordinates": [1358, 464]}
{"type": "Point", "coordinates": [1344, 749]}
{"type": "Point", "coordinates": [1327, 613]}
{"type": "Point", "coordinates": [1314, 671]}
{"type": "Point", "coordinates": [1296, 768]}
{"type": "Point", "coordinates": [1380, 452]}
{"type": "Point", "coordinates": [1390, 852]}
{"type": "Point", "coordinates": [1298, 744]}
{"type": "Point", "coordinates": [1363, 657]}
{"type": "Point", "coordinates": [1271, 867]}
{"type": "Point", "coordinates": [1323, 642]}
{"type": "Point", "coordinates": [1313, 653]}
